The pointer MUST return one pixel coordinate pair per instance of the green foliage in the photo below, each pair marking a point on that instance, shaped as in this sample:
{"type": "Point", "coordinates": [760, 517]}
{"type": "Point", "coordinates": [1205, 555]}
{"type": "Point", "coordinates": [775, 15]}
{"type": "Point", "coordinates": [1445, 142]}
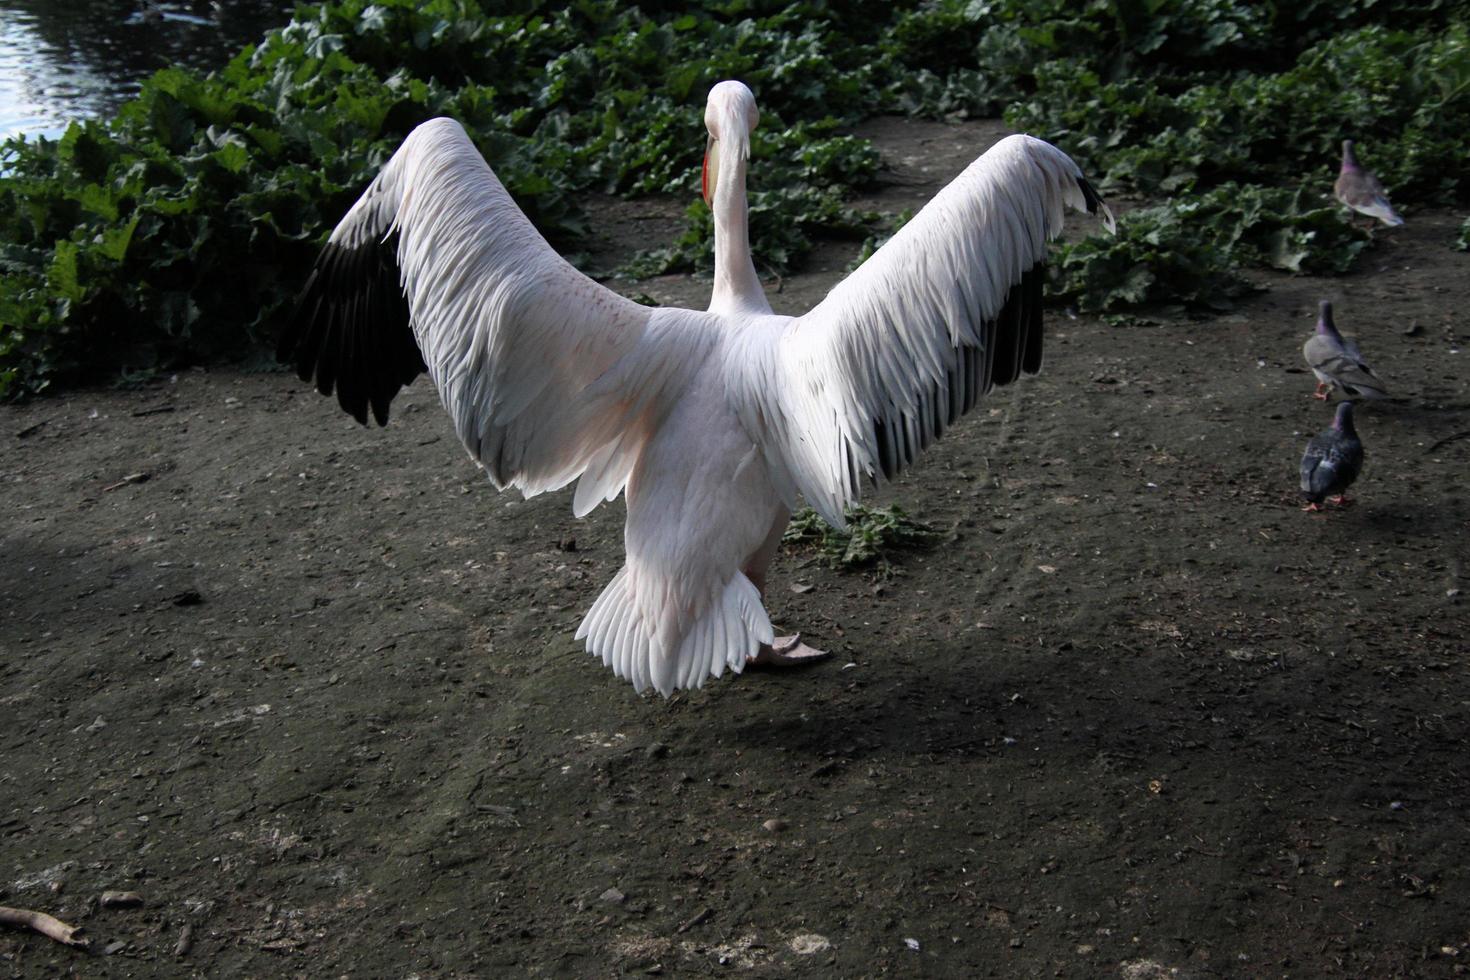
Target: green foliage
{"type": "Point", "coordinates": [1406, 97]}
{"type": "Point", "coordinates": [1189, 251]}
{"type": "Point", "coordinates": [1245, 160]}
{"type": "Point", "coordinates": [871, 535]}
{"type": "Point", "coordinates": [797, 191]}
{"type": "Point", "coordinates": [180, 229]}
{"type": "Point", "coordinates": [887, 227]}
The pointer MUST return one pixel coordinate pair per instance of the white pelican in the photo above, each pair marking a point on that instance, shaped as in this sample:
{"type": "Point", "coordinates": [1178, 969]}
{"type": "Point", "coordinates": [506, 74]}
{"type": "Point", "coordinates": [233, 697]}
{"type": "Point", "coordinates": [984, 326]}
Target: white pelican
{"type": "Point", "coordinates": [713, 423]}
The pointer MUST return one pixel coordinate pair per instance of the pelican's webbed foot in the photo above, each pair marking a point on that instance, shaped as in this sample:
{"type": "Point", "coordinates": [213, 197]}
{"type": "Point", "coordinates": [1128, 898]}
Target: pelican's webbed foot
{"type": "Point", "coordinates": [787, 651]}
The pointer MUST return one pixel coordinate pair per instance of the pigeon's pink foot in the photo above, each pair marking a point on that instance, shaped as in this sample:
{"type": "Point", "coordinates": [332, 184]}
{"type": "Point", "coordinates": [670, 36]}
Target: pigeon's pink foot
{"type": "Point", "coordinates": [787, 651]}
{"type": "Point", "coordinates": [1340, 500]}
{"type": "Point", "coordinates": [1313, 508]}
{"type": "Point", "coordinates": [1321, 393]}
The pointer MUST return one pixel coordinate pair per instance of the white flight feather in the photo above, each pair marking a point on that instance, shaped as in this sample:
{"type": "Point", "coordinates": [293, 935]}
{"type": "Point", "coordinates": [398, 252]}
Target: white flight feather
{"type": "Point", "coordinates": [542, 370]}
{"type": "Point", "coordinates": [884, 337]}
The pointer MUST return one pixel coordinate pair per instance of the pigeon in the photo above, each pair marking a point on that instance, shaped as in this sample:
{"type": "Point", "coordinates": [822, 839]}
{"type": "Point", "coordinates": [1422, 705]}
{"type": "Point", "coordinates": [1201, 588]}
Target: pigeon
{"type": "Point", "coordinates": [1336, 362]}
{"type": "Point", "coordinates": [1332, 461]}
{"type": "Point", "coordinates": [1361, 191]}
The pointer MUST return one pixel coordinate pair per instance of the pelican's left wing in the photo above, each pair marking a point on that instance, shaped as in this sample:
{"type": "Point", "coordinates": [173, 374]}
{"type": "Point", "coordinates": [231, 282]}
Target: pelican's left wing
{"type": "Point", "coordinates": [547, 375]}
{"type": "Point", "coordinates": [945, 310]}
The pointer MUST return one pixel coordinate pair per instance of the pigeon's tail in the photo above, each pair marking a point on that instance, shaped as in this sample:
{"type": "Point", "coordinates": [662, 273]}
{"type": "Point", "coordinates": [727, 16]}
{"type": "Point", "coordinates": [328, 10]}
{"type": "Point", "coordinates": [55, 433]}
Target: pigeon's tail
{"type": "Point", "coordinates": [1384, 212]}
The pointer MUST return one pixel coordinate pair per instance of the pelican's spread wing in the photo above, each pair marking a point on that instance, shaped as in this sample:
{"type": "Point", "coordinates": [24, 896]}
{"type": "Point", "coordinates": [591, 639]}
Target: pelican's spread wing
{"type": "Point", "coordinates": [547, 374]}
{"type": "Point", "coordinates": [947, 309]}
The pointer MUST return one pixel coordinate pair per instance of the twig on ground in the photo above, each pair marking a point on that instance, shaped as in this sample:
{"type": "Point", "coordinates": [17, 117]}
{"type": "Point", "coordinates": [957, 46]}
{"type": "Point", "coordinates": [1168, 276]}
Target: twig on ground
{"type": "Point", "coordinates": [46, 925]}
{"type": "Point", "coordinates": [120, 900]}
{"type": "Point", "coordinates": [699, 917]}
{"type": "Point", "coordinates": [393, 640]}
{"type": "Point", "coordinates": [130, 478]}
{"type": "Point", "coordinates": [1447, 440]}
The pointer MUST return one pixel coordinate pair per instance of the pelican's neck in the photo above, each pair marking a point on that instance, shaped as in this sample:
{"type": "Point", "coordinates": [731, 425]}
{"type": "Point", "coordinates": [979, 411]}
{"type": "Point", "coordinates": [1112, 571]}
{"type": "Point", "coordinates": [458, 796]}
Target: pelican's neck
{"type": "Point", "coordinates": [737, 288]}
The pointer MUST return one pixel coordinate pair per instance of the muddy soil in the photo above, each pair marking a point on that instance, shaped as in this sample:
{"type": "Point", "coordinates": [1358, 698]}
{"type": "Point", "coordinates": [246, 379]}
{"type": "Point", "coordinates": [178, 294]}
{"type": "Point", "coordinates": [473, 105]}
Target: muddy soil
{"type": "Point", "coordinates": [311, 690]}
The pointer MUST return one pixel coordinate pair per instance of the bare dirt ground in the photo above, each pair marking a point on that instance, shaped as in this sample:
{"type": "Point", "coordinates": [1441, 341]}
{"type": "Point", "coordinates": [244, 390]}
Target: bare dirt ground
{"type": "Point", "coordinates": [311, 690]}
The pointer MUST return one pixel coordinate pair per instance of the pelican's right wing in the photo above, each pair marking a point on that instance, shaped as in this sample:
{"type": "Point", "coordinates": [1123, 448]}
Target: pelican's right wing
{"type": "Point", "coordinates": [947, 309]}
{"type": "Point", "coordinates": [547, 374]}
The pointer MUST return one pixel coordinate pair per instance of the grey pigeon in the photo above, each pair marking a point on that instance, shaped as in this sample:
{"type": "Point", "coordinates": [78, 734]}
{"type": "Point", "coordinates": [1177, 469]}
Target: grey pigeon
{"type": "Point", "coordinates": [1336, 362]}
{"type": "Point", "coordinates": [1361, 191]}
{"type": "Point", "coordinates": [1332, 461]}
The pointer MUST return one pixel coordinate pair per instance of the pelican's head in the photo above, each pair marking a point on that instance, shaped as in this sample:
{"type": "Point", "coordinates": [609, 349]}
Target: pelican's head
{"type": "Point", "coordinates": [730, 116]}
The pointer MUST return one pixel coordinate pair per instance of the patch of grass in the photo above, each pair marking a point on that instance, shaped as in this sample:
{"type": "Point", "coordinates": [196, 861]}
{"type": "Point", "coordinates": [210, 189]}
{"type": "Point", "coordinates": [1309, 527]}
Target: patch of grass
{"type": "Point", "coordinates": [872, 535]}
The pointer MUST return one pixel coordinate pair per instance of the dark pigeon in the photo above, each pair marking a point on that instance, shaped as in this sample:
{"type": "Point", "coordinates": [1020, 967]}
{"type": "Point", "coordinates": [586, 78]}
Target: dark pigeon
{"type": "Point", "coordinates": [1332, 461]}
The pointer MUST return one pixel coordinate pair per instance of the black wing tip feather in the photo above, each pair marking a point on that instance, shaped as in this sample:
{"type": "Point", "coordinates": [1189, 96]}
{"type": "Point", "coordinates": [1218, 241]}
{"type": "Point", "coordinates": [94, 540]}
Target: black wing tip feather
{"type": "Point", "coordinates": [1017, 329]}
{"type": "Point", "coordinates": [349, 330]}
{"type": "Point", "coordinates": [1015, 342]}
{"type": "Point", "coordinates": [1090, 196]}
{"type": "Point", "coordinates": [1014, 347]}
{"type": "Point", "coordinates": [1031, 283]}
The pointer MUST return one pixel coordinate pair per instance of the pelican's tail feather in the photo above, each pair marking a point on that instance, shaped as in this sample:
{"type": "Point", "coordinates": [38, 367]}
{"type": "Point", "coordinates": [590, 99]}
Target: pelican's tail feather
{"type": "Point", "coordinates": [727, 633]}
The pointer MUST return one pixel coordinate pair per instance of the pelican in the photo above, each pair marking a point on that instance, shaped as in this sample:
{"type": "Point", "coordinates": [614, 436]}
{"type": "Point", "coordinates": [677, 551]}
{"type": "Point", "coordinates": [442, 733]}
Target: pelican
{"type": "Point", "coordinates": [713, 424]}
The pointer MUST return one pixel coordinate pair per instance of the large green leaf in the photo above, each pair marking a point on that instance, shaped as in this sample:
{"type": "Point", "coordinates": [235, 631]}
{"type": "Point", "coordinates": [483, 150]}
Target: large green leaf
{"type": "Point", "coordinates": [182, 227]}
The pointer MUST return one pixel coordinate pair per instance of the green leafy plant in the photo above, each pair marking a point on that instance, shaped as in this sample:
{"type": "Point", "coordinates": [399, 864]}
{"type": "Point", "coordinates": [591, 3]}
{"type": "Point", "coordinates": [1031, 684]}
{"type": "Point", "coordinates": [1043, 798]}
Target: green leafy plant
{"type": "Point", "coordinates": [872, 534]}
{"type": "Point", "coordinates": [181, 229]}
{"type": "Point", "coordinates": [1406, 96]}
{"type": "Point", "coordinates": [797, 191]}
{"type": "Point", "coordinates": [1189, 252]}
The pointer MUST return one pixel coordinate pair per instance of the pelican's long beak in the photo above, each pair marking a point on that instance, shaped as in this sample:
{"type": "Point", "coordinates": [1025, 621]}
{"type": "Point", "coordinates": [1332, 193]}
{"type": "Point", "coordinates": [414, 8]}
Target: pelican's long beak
{"type": "Point", "coordinates": [710, 177]}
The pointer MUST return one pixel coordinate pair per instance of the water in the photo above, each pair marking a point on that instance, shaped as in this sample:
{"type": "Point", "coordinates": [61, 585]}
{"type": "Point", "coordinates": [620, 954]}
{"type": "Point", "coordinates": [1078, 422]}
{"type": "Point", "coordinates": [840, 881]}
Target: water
{"type": "Point", "coordinates": [69, 59]}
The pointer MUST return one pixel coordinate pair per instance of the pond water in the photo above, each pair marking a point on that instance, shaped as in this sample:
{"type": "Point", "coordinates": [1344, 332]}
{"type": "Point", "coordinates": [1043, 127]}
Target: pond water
{"type": "Point", "coordinates": [68, 59]}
